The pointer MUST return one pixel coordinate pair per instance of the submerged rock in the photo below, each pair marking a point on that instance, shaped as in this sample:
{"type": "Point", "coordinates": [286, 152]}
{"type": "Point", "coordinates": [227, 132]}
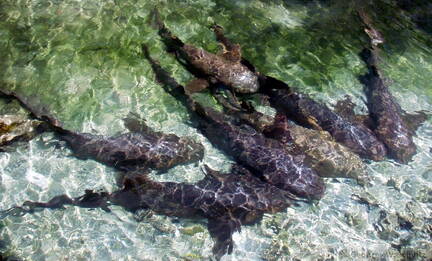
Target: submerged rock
{"type": "Point", "coordinates": [17, 127]}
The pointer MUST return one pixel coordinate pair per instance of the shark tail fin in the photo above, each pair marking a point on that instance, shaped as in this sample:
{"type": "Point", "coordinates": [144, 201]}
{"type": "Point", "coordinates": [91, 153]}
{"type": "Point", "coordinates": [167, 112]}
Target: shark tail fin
{"type": "Point", "coordinates": [172, 42]}
{"type": "Point", "coordinates": [90, 199]}
{"type": "Point", "coordinates": [221, 230]}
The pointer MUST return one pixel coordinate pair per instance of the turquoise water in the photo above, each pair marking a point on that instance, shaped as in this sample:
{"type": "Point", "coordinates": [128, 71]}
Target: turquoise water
{"type": "Point", "coordinates": [82, 60]}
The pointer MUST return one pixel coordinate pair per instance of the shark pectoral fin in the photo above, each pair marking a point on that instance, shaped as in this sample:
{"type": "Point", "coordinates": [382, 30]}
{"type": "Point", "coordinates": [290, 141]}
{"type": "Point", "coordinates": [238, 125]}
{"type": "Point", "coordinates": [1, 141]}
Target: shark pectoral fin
{"type": "Point", "coordinates": [134, 123]}
{"type": "Point", "coordinates": [345, 108]}
{"type": "Point", "coordinates": [221, 230]}
{"type": "Point", "coordinates": [312, 121]}
{"type": "Point", "coordinates": [226, 98]}
{"type": "Point", "coordinates": [234, 55]}
{"type": "Point", "coordinates": [196, 85]}
{"type": "Point", "coordinates": [231, 51]}
{"type": "Point", "coordinates": [415, 120]}
{"type": "Point", "coordinates": [211, 173]}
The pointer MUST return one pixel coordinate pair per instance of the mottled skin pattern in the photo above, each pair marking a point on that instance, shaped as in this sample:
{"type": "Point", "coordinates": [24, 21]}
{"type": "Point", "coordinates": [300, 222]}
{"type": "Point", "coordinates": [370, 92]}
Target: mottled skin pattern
{"type": "Point", "coordinates": [324, 155]}
{"type": "Point", "coordinates": [327, 157]}
{"type": "Point", "coordinates": [226, 68]}
{"type": "Point", "coordinates": [230, 73]}
{"type": "Point", "coordinates": [17, 127]}
{"type": "Point", "coordinates": [137, 150]}
{"type": "Point", "coordinates": [130, 151]}
{"type": "Point", "coordinates": [386, 114]}
{"type": "Point", "coordinates": [375, 36]}
{"type": "Point", "coordinates": [306, 111]}
{"type": "Point", "coordinates": [228, 201]}
{"type": "Point", "coordinates": [266, 157]}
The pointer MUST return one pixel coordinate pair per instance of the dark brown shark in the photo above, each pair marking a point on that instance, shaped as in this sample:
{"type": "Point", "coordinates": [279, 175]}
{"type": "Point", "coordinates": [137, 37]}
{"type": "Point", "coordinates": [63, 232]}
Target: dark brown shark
{"type": "Point", "coordinates": [320, 151]}
{"type": "Point", "coordinates": [140, 149]}
{"type": "Point", "coordinates": [228, 201]}
{"type": "Point", "coordinates": [386, 113]}
{"type": "Point", "coordinates": [265, 157]}
{"type": "Point", "coordinates": [312, 114]}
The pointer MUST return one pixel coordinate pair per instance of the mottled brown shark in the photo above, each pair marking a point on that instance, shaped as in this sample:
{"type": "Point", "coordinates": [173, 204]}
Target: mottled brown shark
{"type": "Point", "coordinates": [140, 149]}
{"type": "Point", "coordinates": [226, 200]}
{"type": "Point", "coordinates": [320, 151]}
{"type": "Point", "coordinates": [386, 113]}
{"type": "Point", "coordinates": [265, 157]}
{"type": "Point", "coordinates": [312, 114]}
{"type": "Point", "coordinates": [226, 67]}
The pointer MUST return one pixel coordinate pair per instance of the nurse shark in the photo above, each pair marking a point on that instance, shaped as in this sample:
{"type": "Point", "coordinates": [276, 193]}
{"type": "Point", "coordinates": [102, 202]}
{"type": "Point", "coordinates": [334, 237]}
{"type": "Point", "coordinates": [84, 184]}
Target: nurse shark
{"type": "Point", "coordinates": [138, 150]}
{"type": "Point", "coordinates": [226, 200]}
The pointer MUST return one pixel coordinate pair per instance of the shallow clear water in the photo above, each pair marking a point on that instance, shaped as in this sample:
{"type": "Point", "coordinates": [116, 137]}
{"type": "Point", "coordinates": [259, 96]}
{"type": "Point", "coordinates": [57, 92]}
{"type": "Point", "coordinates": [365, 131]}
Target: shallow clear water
{"type": "Point", "coordinates": [82, 60]}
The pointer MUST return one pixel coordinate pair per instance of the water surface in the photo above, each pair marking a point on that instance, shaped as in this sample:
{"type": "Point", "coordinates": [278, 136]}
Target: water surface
{"type": "Point", "coordinates": [82, 60]}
